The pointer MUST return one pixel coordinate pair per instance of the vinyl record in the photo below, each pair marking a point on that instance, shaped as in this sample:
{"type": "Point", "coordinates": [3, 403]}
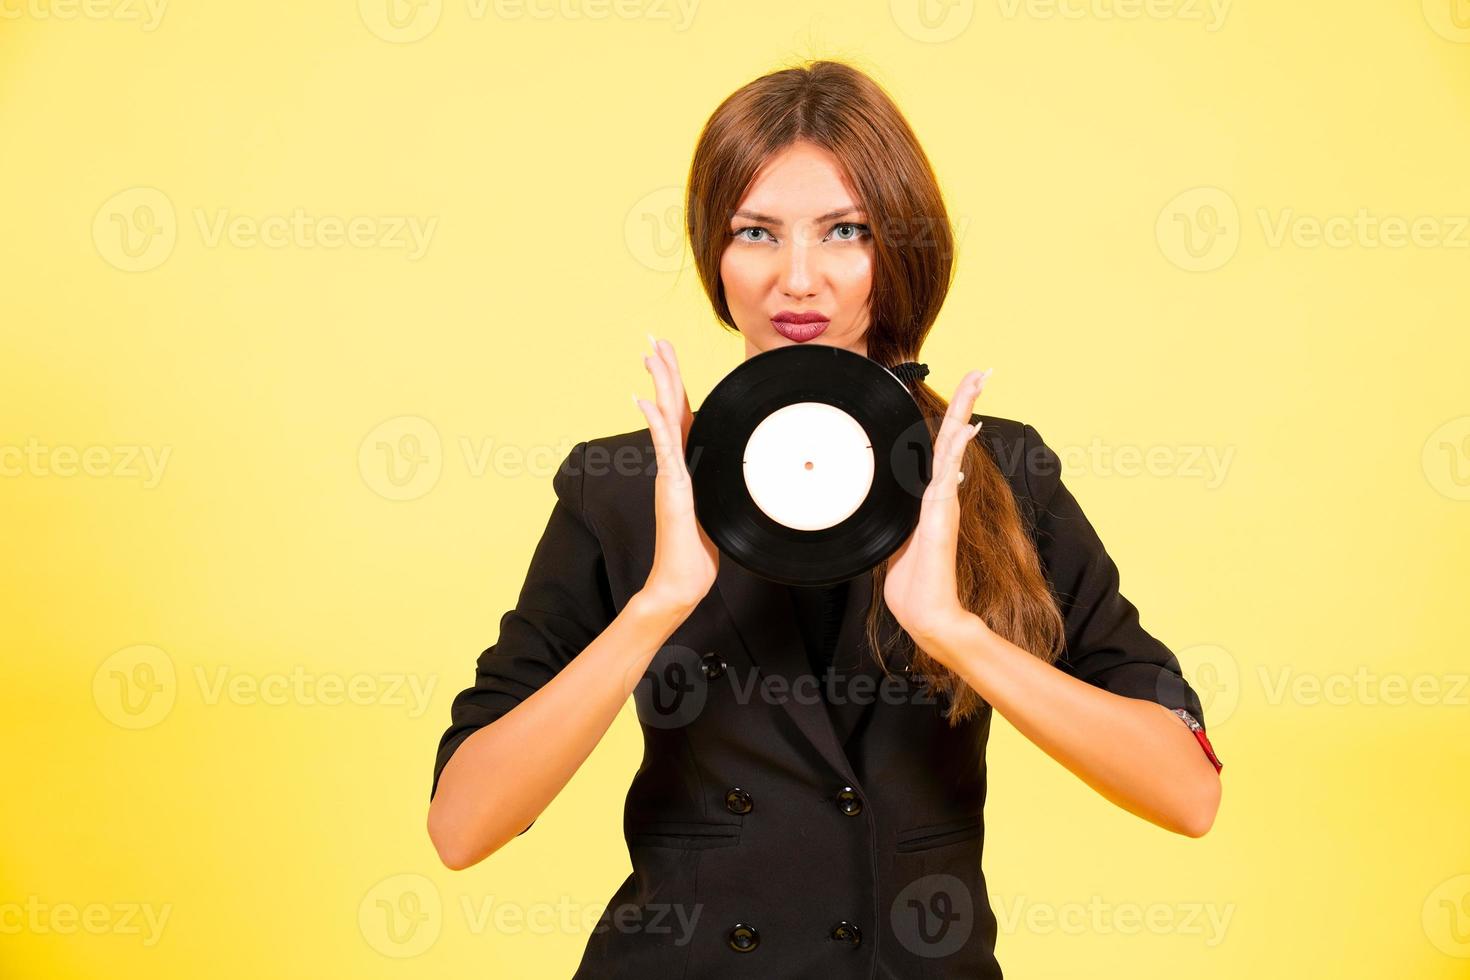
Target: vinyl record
{"type": "Point", "coordinates": [809, 464]}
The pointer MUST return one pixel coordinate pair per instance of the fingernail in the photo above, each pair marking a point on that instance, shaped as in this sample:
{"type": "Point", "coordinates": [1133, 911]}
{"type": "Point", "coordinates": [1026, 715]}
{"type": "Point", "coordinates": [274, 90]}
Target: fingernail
{"type": "Point", "coordinates": [635, 402]}
{"type": "Point", "coordinates": [651, 342]}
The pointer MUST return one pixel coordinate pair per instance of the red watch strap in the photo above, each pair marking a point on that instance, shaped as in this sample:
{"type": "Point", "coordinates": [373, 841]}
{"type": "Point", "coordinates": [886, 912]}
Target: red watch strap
{"type": "Point", "coordinates": [1199, 734]}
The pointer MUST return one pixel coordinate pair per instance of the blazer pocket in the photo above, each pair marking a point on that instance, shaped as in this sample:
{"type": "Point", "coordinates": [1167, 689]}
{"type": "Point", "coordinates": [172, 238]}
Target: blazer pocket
{"type": "Point", "coordinates": [684, 835]}
{"type": "Point", "coordinates": [940, 834]}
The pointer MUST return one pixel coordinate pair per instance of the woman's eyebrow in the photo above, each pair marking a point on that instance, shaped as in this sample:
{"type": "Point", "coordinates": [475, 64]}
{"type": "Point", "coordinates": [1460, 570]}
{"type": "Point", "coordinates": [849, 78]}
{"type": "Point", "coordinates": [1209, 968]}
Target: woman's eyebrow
{"type": "Point", "coordinates": [767, 219]}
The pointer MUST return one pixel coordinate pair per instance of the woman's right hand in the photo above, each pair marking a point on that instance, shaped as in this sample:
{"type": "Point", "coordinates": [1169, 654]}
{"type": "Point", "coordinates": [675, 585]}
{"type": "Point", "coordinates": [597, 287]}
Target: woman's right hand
{"type": "Point", "coordinates": [685, 561]}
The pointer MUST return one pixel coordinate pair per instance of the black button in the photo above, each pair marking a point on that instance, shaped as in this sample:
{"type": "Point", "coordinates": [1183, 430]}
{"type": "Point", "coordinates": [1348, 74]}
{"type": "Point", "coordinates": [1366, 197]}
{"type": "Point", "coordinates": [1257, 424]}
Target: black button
{"type": "Point", "coordinates": [712, 665]}
{"type": "Point", "coordinates": [846, 932]}
{"type": "Point", "coordinates": [744, 938]}
{"type": "Point", "coordinates": [738, 801]}
{"type": "Point", "coordinates": [849, 802]}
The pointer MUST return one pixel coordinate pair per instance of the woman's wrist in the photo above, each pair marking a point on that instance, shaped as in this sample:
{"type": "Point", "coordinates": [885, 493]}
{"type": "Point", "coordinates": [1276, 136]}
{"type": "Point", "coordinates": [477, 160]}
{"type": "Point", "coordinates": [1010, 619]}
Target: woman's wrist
{"type": "Point", "coordinates": [948, 637]}
{"type": "Point", "coordinates": [655, 605]}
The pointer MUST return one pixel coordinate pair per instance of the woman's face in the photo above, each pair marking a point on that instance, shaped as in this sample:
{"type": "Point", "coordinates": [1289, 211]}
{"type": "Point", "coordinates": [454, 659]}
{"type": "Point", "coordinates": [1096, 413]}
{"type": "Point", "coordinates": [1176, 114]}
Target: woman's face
{"type": "Point", "coordinates": [799, 250]}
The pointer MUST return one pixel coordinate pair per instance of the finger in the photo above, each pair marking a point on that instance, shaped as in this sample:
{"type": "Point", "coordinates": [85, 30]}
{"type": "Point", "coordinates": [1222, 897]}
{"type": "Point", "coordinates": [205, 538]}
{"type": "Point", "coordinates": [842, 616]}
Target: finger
{"type": "Point", "coordinates": [664, 351]}
{"type": "Point", "coordinates": [962, 406]}
{"type": "Point", "coordinates": [679, 414]}
{"type": "Point", "coordinates": [670, 414]}
{"type": "Point", "coordinates": [956, 423]}
{"type": "Point", "coordinates": [959, 401]}
{"type": "Point", "coordinates": [956, 432]}
{"type": "Point", "coordinates": [663, 386]}
{"type": "Point", "coordinates": [666, 347]}
{"type": "Point", "coordinates": [670, 462]}
{"type": "Point", "coordinates": [669, 395]}
{"type": "Point", "coordinates": [655, 421]}
{"type": "Point", "coordinates": [949, 456]}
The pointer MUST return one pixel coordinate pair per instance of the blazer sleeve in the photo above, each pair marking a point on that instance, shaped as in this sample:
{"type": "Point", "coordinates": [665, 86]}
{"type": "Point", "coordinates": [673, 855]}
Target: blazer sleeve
{"type": "Point", "coordinates": [1105, 644]}
{"type": "Point", "coordinates": [563, 606]}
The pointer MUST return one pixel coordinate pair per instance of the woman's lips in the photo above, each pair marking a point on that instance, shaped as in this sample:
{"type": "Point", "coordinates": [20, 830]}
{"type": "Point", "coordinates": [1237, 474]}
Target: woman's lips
{"type": "Point", "coordinates": [800, 332]}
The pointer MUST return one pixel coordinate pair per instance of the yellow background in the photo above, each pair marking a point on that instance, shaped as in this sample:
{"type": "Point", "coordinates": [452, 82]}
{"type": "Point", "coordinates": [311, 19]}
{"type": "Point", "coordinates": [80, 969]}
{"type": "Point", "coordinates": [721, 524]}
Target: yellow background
{"type": "Point", "coordinates": [1118, 176]}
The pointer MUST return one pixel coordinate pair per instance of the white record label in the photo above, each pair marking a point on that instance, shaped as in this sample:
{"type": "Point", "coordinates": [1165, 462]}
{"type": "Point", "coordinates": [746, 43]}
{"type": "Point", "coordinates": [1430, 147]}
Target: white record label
{"type": "Point", "coordinates": [808, 466]}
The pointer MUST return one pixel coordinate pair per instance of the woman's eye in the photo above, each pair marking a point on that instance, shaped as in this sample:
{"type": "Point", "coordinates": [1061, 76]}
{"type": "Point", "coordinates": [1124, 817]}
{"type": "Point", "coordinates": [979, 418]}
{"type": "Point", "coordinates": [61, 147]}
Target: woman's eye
{"type": "Point", "coordinates": [858, 231]}
{"type": "Point", "coordinates": [740, 233]}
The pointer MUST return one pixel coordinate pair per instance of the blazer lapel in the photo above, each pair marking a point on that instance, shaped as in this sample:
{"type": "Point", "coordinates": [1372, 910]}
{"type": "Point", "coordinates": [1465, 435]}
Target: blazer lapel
{"type": "Point", "coordinates": [765, 619]}
{"type": "Point", "coordinates": [859, 676]}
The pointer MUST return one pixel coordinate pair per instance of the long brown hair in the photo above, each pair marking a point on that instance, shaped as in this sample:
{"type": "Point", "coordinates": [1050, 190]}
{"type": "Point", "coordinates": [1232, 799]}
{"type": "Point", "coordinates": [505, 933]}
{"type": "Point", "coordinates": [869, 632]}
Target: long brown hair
{"type": "Point", "coordinates": [840, 108]}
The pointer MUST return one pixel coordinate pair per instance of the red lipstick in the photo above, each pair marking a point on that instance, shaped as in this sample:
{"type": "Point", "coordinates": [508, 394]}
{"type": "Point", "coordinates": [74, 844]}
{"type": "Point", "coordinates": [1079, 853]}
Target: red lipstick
{"type": "Point", "coordinates": [800, 327]}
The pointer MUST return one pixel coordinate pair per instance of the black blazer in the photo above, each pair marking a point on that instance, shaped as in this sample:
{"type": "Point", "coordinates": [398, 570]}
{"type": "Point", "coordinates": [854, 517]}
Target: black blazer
{"type": "Point", "coordinates": [770, 834]}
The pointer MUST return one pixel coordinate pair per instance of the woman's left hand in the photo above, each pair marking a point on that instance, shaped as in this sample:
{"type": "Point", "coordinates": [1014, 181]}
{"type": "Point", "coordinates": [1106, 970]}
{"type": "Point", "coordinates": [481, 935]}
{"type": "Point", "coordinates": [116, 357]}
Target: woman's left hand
{"type": "Point", "coordinates": [920, 585]}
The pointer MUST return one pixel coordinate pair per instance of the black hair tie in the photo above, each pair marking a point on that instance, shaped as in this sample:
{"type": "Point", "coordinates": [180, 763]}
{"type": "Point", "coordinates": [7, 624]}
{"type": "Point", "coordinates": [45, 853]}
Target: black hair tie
{"type": "Point", "coordinates": [910, 372]}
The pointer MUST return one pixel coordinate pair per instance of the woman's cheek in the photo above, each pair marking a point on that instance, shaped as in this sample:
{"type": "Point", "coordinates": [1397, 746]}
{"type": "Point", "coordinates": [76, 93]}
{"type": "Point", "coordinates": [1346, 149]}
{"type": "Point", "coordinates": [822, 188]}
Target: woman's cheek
{"type": "Point", "coordinates": [857, 275]}
{"type": "Point", "coordinates": [737, 276]}
{"type": "Point", "coordinates": [747, 285]}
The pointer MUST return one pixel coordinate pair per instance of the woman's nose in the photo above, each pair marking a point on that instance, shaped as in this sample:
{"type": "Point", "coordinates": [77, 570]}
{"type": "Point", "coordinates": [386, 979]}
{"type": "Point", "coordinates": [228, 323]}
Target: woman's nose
{"type": "Point", "coordinates": [797, 272]}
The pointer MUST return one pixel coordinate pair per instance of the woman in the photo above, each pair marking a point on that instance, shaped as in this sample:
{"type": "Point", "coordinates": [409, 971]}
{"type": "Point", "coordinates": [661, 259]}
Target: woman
{"type": "Point", "coordinates": [778, 825]}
